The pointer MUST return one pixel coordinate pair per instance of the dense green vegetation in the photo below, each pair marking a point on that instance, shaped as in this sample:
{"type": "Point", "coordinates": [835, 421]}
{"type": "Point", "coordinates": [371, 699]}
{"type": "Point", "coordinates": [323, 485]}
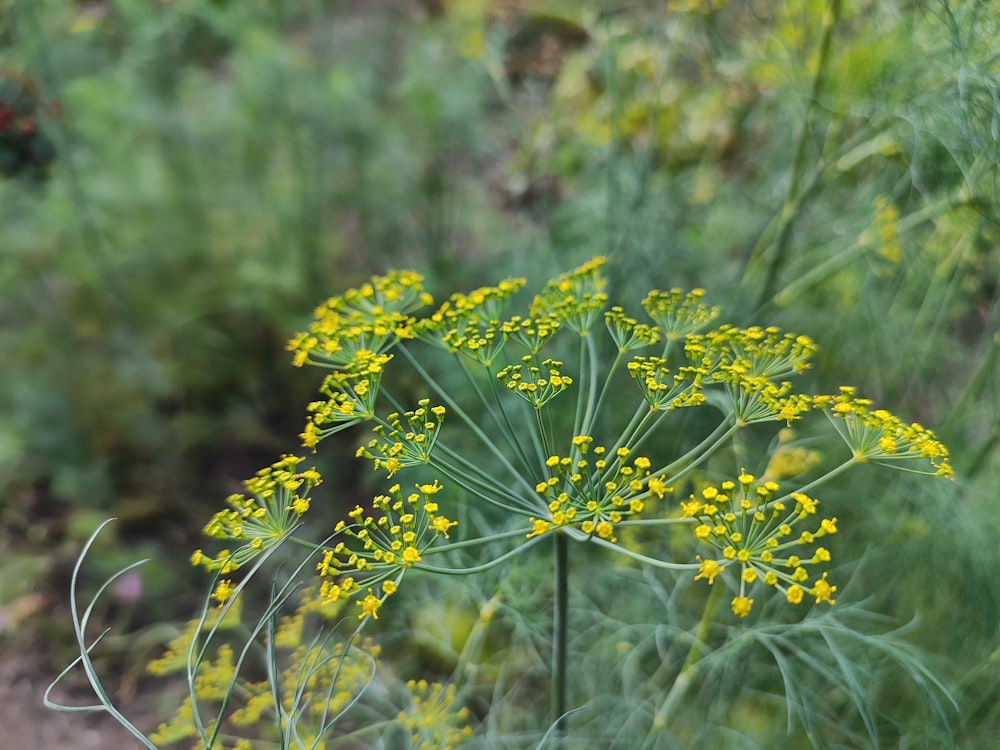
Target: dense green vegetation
{"type": "Point", "coordinates": [184, 181]}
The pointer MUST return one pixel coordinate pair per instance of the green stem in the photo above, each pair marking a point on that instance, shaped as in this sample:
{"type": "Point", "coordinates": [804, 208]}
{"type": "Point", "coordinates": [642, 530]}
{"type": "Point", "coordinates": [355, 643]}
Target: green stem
{"type": "Point", "coordinates": [593, 403]}
{"type": "Point", "coordinates": [690, 669]}
{"type": "Point", "coordinates": [706, 448]}
{"type": "Point", "coordinates": [559, 634]}
{"type": "Point", "coordinates": [825, 478]}
{"type": "Point", "coordinates": [490, 492]}
{"type": "Point", "coordinates": [645, 559]}
{"type": "Point", "coordinates": [776, 253]}
{"type": "Point", "coordinates": [604, 390]}
{"type": "Point", "coordinates": [834, 263]}
{"type": "Point", "coordinates": [480, 568]}
{"type": "Point", "coordinates": [503, 425]}
{"type": "Point", "coordinates": [515, 443]}
{"type": "Point", "coordinates": [469, 422]}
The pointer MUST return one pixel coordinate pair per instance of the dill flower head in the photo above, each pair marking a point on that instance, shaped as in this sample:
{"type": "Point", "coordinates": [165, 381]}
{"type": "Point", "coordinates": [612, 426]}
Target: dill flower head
{"type": "Point", "coordinates": [664, 389]}
{"type": "Point", "coordinates": [749, 527]}
{"type": "Point", "coordinates": [431, 717]}
{"type": "Point", "coordinates": [371, 318]}
{"type": "Point", "coordinates": [878, 436]}
{"type": "Point", "coordinates": [574, 299]}
{"type": "Point", "coordinates": [405, 440]}
{"type": "Point", "coordinates": [592, 490]}
{"type": "Point", "coordinates": [627, 333]}
{"type": "Point", "coordinates": [678, 313]}
{"type": "Point", "coordinates": [380, 545]}
{"type": "Point", "coordinates": [351, 394]}
{"type": "Point", "coordinates": [471, 324]}
{"type": "Point", "coordinates": [277, 498]}
{"type": "Point", "coordinates": [536, 384]}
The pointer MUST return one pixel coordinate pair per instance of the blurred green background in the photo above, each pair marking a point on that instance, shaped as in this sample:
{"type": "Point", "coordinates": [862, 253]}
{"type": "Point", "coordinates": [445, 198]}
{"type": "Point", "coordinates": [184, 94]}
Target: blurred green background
{"type": "Point", "coordinates": [184, 180]}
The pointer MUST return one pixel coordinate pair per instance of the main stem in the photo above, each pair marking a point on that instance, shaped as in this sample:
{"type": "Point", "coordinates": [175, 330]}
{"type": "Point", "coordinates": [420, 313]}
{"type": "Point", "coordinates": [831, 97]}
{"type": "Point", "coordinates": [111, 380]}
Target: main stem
{"type": "Point", "coordinates": [559, 634]}
{"type": "Point", "coordinates": [774, 252]}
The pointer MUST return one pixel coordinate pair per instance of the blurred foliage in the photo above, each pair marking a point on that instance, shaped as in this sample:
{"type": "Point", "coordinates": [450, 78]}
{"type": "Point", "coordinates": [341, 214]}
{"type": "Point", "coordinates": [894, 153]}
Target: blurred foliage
{"type": "Point", "coordinates": [184, 180]}
{"type": "Point", "coordinates": [220, 168]}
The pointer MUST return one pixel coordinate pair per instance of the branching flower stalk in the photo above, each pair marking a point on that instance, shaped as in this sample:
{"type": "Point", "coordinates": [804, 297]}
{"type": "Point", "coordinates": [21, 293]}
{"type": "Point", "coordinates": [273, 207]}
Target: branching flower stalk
{"type": "Point", "coordinates": [579, 453]}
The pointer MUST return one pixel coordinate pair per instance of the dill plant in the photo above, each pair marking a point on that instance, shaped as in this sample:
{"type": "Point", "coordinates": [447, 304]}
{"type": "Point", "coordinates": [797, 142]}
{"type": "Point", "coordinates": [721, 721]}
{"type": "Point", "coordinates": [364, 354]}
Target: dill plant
{"type": "Point", "coordinates": [555, 425]}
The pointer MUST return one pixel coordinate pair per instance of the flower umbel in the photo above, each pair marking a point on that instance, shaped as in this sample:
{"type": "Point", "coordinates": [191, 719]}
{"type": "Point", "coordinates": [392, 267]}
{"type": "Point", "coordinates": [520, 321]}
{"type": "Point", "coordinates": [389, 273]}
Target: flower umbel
{"type": "Point", "coordinates": [278, 497]}
{"type": "Point", "coordinates": [382, 544]}
{"type": "Point", "coordinates": [877, 436]}
{"type": "Point", "coordinates": [750, 527]}
{"type": "Point", "coordinates": [593, 492]}
{"type": "Point", "coordinates": [406, 440]}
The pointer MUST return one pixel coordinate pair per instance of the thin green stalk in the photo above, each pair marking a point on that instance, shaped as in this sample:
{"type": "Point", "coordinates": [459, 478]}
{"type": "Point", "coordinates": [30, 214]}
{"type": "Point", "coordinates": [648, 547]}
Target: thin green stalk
{"type": "Point", "coordinates": [512, 433]}
{"type": "Point", "coordinates": [826, 477]}
{"type": "Point", "coordinates": [478, 541]}
{"type": "Point", "coordinates": [640, 415]}
{"type": "Point", "coordinates": [482, 490]}
{"type": "Point", "coordinates": [775, 253]}
{"type": "Point", "coordinates": [485, 566]}
{"type": "Point", "coordinates": [834, 263]}
{"type": "Point", "coordinates": [459, 465]}
{"type": "Point", "coordinates": [560, 634]}
{"type": "Point", "coordinates": [690, 669]}
{"type": "Point", "coordinates": [543, 433]}
{"type": "Point", "coordinates": [715, 439]}
{"type": "Point", "coordinates": [469, 422]}
{"type": "Point", "coordinates": [638, 557]}
{"type": "Point", "coordinates": [588, 425]}
{"type": "Point", "coordinates": [644, 429]}
{"type": "Point", "coordinates": [503, 425]}
{"type": "Point", "coordinates": [588, 376]}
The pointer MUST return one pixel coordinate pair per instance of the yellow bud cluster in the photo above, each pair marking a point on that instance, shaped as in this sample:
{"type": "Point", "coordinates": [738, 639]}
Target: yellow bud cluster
{"type": "Point", "coordinates": [574, 299]}
{"type": "Point", "coordinates": [593, 491]}
{"type": "Point", "coordinates": [679, 314]}
{"type": "Point", "coordinates": [431, 719]}
{"type": "Point", "coordinates": [277, 497]}
{"type": "Point", "coordinates": [627, 333]}
{"type": "Point", "coordinates": [471, 323]}
{"type": "Point", "coordinates": [371, 318]}
{"type": "Point", "coordinates": [748, 525]}
{"type": "Point", "coordinates": [878, 436]}
{"type": "Point", "coordinates": [535, 384]}
{"type": "Point", "coordinates": [405, 440]}
{"type": "Point", "coordinates": [664, 390]}
{"type": "Point", "coordinates": [387, 540]}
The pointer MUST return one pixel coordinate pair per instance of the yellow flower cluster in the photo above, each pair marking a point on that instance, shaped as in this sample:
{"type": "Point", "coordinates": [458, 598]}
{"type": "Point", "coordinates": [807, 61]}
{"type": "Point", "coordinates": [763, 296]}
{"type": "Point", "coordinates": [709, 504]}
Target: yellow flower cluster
{"type": "Point", "coordinates": [531, 333]}
{"type": "Point", "coordinates": [536, 385]}
{"type": "Point", "coordinates": [325, 678]}
{"type": "Point", "coordinates": [749, 362]}
{"type": "Point", "coordinates": [679, 314]}
{"type": "Point", "coordinates": [391, 541]}
{"type": "Point", "coordinates": [371, 318]}
{"type": "Point", "coordinates": [277, 498]}
{"type": "Point", "coordinates": [767, 352]}
{"type": "Point", "coordinates": [431, 719]}
{"type": "Point", "coordinates": [471, 323]}
{"type": "Point", "coordinates": [350, 393]}
{"type": "Point", "coordinates": [664, 390]}
{"type": "Point", "coordinates": [748, 526]}
{"type": "Point", "coordinates": [406, 440]}
{"type": "Point", "coordinates": [878, 436]}
{"type": "Point", "coordinates": [574, 299]}
{"type": "Point", "coordinates": [595, 495]}
{"type": "Point", "coordinates": [211, 684]}
{"type": "Point", "coordinates": [789, 460]}
{"type": "Point", "coordinates": [627, 333]}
